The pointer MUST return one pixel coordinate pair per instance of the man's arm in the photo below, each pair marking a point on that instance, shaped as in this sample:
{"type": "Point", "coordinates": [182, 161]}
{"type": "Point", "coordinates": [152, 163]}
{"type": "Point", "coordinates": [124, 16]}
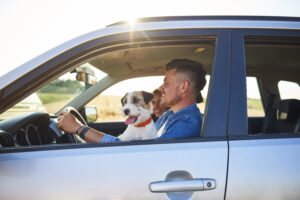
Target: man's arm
{"type": "Point", "coordinates": [67, 122]}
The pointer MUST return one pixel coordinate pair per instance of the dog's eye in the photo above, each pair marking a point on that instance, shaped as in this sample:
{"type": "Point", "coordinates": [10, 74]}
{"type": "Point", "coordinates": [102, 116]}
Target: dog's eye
{"type": "Point", "coordinates": [135, 100]}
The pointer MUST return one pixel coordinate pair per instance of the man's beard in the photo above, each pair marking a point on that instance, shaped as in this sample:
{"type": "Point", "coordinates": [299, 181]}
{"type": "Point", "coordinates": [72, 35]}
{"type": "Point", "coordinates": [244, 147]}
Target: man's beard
{"type": "Point", "coordinates": [172, 102]}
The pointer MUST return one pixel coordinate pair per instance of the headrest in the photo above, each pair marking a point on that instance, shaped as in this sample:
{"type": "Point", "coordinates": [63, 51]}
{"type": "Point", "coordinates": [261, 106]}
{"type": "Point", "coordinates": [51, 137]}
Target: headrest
{"type": "Point", "coordinates": [288, 110]}
{"type": "Point", "coordinates": [199, 98]}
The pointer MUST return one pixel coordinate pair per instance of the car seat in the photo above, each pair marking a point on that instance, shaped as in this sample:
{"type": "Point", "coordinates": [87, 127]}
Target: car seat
{"type": "Point", "coordinates": [288, 116]}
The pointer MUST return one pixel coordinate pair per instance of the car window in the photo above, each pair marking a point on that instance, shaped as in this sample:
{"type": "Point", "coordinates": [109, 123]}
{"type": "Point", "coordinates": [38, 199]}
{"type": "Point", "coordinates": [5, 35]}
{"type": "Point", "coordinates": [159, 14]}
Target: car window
{"type": "Point", "coordinates": [51, 98]}
{"type": "Point", "coordinates": [55, 95]}
{"type": "Point", "coordinates": [274, 61]}
{"type": "Point", "coordinates": [120, 71]}
{"type": "Point", "coordinates": [59, 92]}
{"type": "Point", "coordinates": [254, 104]}
{"type": "Point", "coordinates": [289, 90]}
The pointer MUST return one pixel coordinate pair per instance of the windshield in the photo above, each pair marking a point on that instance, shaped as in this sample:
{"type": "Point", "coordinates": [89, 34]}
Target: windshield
{"type": "Point", "coordinates": [55, 95]}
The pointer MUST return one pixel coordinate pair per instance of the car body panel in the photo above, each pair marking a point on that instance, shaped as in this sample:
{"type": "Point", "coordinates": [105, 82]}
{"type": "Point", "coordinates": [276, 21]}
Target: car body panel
{"type": "Point", "coordinates": [264, 169]}
{"type": "Point", "coordinates": [119, 172]}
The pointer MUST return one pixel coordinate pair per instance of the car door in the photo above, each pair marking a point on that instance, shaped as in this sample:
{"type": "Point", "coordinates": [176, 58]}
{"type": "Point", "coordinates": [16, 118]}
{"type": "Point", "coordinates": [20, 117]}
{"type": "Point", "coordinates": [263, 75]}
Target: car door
{"type": "Point", "coordinates": [192, 168]}
{"type": "Point", "coordinates": [262, 165]}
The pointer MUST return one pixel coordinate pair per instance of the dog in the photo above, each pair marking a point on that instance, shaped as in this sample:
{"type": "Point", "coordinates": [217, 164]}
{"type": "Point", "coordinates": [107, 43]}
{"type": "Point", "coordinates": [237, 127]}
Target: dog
{"type": "Point", "coordinates": [137, 107]}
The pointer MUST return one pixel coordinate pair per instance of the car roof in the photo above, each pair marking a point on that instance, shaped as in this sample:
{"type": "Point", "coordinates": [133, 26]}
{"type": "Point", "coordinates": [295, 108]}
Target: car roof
{"type": "Point", "coordinates": [157, 23]}
{"type": "Point", "coordinates": [224, 18]}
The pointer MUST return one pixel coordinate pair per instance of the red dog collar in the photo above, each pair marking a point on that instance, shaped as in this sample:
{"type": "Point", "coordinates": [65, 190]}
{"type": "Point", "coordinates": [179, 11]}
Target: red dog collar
{"type": "Point", "coordinates": [144, 123]}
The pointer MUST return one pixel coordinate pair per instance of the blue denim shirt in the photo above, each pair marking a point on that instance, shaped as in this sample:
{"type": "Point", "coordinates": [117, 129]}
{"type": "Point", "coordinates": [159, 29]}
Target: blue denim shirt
{"type": "Point", "coordinates": [184, 123]}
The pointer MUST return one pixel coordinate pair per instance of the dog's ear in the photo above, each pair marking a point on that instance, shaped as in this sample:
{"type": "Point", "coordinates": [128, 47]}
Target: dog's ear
{"type": "Point", "coordinates": [123, 100]}
{"type": "Point", "coordinates": [147, 96]}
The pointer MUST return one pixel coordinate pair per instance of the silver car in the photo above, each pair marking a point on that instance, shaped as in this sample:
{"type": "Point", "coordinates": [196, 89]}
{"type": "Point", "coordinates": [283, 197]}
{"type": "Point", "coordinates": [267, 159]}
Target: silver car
{"type": "Point", "coordinates": [248, 147]}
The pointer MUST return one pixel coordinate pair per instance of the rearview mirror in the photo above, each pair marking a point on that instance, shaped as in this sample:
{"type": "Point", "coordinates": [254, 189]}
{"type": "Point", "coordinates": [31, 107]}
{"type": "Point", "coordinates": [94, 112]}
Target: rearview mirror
{"type": "Point", "coordinates": [87, 78]}
{"type": "Point", "coordinates": [86, 75]}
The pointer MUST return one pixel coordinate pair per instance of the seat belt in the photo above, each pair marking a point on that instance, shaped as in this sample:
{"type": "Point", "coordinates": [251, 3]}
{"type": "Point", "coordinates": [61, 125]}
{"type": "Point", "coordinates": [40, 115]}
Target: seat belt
{"type": "Point", "coordinates": [270, 118]}
{"type": "Point", "coordinates": [297, 127]}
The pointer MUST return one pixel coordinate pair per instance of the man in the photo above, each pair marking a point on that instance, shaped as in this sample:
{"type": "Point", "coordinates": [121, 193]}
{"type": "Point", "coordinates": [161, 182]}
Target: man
{"type": "Point", "coordinates": [182, 84]}
{"type": "Point", "coordinates": [180, 91]}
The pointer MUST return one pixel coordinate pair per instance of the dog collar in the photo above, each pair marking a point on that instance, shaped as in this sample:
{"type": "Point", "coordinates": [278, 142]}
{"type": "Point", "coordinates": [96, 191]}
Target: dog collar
{"type": "Point", "coordinates": [144, 123]}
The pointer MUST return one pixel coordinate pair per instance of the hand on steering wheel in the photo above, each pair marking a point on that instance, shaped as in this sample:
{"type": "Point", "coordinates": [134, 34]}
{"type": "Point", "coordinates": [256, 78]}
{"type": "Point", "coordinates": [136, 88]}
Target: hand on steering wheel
{"type": "Point", "coordinates": [69, 124]}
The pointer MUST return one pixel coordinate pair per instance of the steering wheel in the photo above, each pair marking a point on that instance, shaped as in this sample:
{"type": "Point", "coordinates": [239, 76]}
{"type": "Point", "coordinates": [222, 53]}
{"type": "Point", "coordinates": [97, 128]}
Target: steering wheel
{"type": "Point", "coordinates": [73, 138]}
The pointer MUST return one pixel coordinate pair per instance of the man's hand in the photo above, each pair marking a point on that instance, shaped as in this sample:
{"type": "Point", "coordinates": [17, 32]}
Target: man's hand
{"type": "Point", "coordinates": [67, 122]}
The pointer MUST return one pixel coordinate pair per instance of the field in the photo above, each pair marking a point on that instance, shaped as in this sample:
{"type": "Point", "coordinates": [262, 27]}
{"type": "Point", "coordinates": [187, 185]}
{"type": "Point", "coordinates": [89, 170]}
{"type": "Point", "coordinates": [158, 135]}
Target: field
{"type": "Point", "coordinates": [255, 107]}
{"type": "Point", "coordinates": [109, 107]}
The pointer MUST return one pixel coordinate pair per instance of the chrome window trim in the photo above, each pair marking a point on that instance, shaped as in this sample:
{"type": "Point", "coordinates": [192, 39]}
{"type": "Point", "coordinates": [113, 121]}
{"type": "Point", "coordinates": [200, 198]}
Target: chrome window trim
{"type": "Point", "coordinates": [182, 141]}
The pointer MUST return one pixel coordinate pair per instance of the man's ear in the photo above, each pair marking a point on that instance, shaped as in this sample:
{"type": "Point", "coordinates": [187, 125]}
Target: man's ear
{"type": "Point", "coordinates": [147, 96]}
{"type": "Point", "coordinates": [185, 85]}
{"type": "Point", "coordinates": [123, 99]}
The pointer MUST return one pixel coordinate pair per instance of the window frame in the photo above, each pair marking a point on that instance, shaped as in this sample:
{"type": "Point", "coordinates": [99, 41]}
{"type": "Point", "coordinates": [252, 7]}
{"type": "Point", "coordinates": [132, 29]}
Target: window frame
{"type": "Point", "coordinates": [216, 110]}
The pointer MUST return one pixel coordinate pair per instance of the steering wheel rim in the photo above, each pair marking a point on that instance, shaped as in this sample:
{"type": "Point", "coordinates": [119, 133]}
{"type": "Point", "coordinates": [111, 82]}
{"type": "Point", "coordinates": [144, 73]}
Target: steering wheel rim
{"type": "Point", "coordinates": [76, 114]}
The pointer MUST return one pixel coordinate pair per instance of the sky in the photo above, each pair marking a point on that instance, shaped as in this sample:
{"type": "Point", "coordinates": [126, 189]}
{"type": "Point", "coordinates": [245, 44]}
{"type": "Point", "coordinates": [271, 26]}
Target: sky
{"type": "Point", "coordinates": [31, 27]}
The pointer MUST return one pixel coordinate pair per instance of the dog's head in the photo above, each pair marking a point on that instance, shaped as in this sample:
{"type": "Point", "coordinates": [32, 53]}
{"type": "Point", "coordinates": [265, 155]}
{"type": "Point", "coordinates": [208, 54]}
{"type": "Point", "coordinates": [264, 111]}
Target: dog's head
{"type": "Point", "coordinates": [136, 105]}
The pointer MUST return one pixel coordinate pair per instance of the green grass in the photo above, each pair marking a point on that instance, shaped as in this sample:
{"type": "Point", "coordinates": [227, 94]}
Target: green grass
{"type": "Point", "coordinates": [254, 104]}
{"type": "Point", "coordinates": [47, 98]}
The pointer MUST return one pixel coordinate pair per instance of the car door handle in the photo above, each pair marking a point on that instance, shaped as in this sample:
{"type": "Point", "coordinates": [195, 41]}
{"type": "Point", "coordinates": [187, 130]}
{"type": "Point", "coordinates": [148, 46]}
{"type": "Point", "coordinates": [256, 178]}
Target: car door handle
{"type": "Point", "coordinates": [183, 185]}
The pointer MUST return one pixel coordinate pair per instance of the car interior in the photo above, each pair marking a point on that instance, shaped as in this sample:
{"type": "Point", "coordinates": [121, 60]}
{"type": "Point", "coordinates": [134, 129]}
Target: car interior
{"type": "Point", "coordinates": [147, 61]}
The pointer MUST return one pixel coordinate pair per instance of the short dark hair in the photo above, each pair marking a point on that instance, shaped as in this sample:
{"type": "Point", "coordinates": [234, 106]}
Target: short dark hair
{"type": "Point", "coordinates": [194, 70]}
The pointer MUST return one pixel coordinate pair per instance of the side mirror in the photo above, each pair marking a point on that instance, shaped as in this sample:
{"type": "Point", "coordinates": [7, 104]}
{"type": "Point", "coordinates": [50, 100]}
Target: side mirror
{"type": "Point", "coordinates": [90, 113]}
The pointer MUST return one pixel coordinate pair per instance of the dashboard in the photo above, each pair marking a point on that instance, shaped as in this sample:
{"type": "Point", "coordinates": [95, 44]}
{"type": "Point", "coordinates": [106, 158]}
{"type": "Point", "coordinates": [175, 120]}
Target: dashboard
{"type": "Point", "coordinates": [31, 129]}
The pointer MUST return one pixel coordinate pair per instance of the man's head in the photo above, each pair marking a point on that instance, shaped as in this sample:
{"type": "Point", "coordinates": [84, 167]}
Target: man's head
{"type": "Point", "coordinates": [183, 81]}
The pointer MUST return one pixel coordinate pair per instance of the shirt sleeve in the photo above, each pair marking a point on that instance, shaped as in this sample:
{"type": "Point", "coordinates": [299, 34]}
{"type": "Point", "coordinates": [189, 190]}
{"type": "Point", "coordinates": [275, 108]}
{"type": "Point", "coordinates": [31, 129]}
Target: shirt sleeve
{"type": "Point", "coordinates": [183, 128]}
{"type": "Point", "coordinates": [109, 138]}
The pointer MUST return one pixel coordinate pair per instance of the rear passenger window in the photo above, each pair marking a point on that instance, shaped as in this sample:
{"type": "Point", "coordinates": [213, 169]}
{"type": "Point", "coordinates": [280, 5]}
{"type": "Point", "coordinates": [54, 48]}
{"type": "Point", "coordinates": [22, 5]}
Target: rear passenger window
{"type": "Point", "coordinates": [275, 106]}
{"type": "Point", "coordinates": [254, 104]}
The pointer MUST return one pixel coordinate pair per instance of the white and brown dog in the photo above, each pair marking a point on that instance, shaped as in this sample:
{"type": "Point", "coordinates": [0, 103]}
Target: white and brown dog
{"type": "Point", "coordinates": [138, 109]}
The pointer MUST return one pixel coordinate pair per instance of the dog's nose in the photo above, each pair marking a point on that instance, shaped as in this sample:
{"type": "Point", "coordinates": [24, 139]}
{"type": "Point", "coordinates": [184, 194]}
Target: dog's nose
{"type": "Point", "coordinates": [126, 111]}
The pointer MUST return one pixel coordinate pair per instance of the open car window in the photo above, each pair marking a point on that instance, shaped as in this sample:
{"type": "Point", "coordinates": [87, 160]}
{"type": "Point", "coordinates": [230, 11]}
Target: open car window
{"type": "Point", "coordinates": [96, 75]}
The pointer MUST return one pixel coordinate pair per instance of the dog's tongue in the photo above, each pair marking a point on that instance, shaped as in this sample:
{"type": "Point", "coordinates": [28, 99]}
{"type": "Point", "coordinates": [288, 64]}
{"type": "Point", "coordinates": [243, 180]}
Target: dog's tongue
{"type": "Point", "coordinates": [130, 120]}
